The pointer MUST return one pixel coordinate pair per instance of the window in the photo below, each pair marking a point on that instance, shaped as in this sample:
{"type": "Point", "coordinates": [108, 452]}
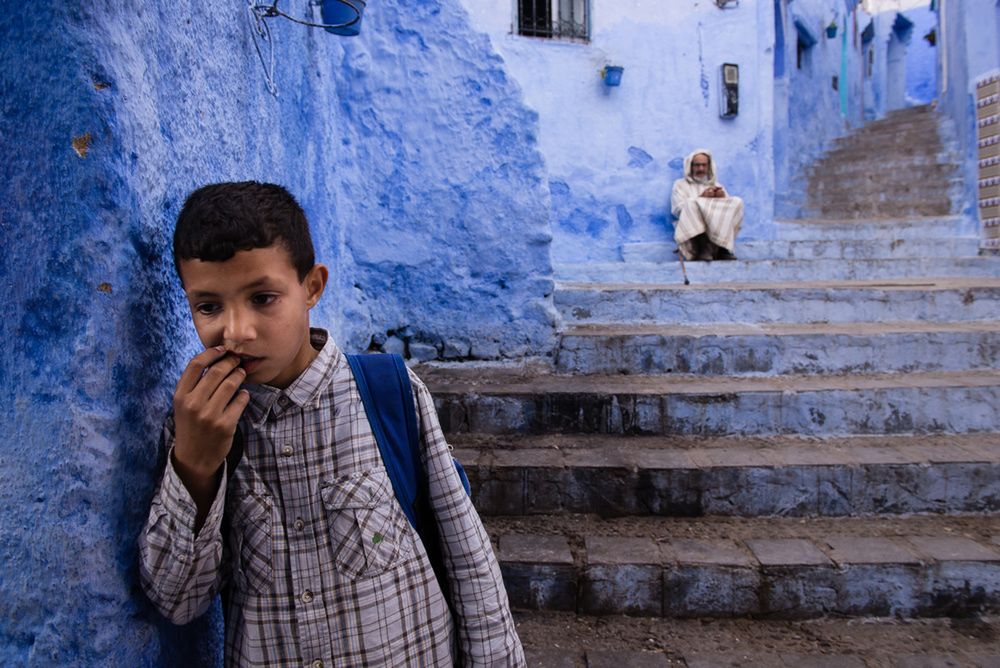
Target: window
{"type": "Point", "coordinates": [565, 19]}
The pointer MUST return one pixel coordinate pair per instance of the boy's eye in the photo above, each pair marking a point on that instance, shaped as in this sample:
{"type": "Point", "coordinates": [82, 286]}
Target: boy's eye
{"type": "Point", "coordinates": [206, 309]}
{"type": "Point", "coordinates": [263, 299]}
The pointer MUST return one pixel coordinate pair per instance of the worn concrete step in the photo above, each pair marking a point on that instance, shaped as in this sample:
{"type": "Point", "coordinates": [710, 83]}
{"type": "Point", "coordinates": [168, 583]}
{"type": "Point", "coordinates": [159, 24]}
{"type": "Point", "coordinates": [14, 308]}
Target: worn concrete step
{"type": "Point", "coordinates": [821, 249]}
{"type": "Point", "coordinates": [862, 209]}
{"type": "Point", "coordinates": [929, 198]}
{"type": "Point", "coordinates": [871, 229]}
{"type": "Point", "coordinates": [863, 188]}
{"type": "Point", "coordinates": [672, 302]}
{"type": "Point", "coordinates": [910, 132]}
{"type": "Point", "coordinates": [787, 476]}
{"type": "Point", "coordinates": [769, 568]}
{"type": "Point", "coordinates": [779, 348]}
{"type": "Point", "coordinates": [922, 136]}
{"type": "Point", "coordinates": [517, 400]}
{"type": "Point", "coordinates": [568, 640]}
{"type": "Point", "coordinates": [769, 271]}
{"type": "Point", "coordinates": [880, 142]}
{"type": "Point", "coordinates": [859, 159]}
{"type": "Point", "coordinates": [848, 205]}
{"type": "Point", "coordinates": [918, 172]}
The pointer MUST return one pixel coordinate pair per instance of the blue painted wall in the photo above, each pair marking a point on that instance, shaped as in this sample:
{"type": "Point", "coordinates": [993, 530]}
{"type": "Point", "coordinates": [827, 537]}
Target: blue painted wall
{"type": "Point", "coordinates": [968, 48]}
{"type": "Point", "coordinates": [415, 160]}
{"type": "Point", "coordinates": [809, 111]}
{"type": "Point", "coordinates": [921, 58]}
{"type": "Point", "coordinates": [613, 153]}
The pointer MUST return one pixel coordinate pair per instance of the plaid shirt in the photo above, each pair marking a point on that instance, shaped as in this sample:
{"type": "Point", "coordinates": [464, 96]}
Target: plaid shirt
{"type": "Point", "coordinates": [325, 569]}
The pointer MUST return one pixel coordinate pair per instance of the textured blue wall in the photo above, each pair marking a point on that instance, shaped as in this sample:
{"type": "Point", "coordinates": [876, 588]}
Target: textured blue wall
{"type": "Point", "coordinates": [921, 58]}
{"type": "Point", "coordinates": [612, 153]}
{"type": "Point", "coordinates": [809, 113]}
{"type": "Point", "coordinates": [969, 43]}
{"type": "Point", "coordinates": [414, 159]}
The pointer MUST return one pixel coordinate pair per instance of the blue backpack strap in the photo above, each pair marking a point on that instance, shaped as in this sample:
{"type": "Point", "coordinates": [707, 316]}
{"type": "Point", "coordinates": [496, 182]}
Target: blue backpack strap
{"type": "Point", "coordinates": [384, 385]}
{"type": "Point", "coordinates": [393, 421]}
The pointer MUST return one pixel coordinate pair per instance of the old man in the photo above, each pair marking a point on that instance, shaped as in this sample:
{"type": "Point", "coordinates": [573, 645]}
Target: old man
{"type": "Point", "coordinates": [708, 217]}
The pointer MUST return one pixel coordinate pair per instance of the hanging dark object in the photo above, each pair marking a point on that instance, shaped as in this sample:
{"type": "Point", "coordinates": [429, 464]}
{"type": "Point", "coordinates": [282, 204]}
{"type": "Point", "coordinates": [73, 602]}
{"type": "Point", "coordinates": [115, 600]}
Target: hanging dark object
{"type": "Point", "coordinates": [340, 17]}
{"type": "Point", "coordinates": [931, 37]}
{"type": "Point", "coordinates": [831, 30]}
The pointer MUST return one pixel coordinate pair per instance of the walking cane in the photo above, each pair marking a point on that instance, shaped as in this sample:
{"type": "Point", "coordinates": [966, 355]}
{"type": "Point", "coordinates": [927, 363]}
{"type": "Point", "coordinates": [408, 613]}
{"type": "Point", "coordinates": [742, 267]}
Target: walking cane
{"type": "Point", "coordinates": [680, 256]}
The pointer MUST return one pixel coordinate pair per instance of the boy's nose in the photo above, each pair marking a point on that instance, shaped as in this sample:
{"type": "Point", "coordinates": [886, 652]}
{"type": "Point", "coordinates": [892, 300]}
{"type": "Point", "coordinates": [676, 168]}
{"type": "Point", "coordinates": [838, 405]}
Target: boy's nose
{"type": "Point", "coordinates": [238, 328]}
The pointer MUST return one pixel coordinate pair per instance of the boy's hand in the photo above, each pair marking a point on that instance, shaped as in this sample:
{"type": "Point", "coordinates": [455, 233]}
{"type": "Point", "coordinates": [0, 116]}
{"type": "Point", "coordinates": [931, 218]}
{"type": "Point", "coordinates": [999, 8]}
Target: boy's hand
{"type": "Point", "coordinates": [208, 403]}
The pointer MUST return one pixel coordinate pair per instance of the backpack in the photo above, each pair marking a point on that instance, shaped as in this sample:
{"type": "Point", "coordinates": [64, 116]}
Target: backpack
{"type": "Point", "coordinates": [384, 385]}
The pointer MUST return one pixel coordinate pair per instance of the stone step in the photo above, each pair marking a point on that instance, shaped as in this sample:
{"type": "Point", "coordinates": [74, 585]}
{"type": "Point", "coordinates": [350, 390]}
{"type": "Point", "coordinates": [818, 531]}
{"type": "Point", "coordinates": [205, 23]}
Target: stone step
{"type": "Point", "coordinates": [769, 271]}
{"type": "Point", "coordinates": [477, 399]}
{"type": "Point", "coordinates": [882, 156]}
{"type": "Point", "coordinates": [849, 162]}
{"type": "Point", "coordinates": [907, 136]}
{"type": "Point", "coordinates": [568, 640]}
{"type": "Point", "coordinates": [876, 147]}
{"type": "Point", "coordinates": [883, 209]}
{"type": "Point", "coordinates": [861, 212]}
{"type": "Point", "coordinates": [879, 200]}
{"type": "Point", "coordinates": [821, 249]}
{"type": "Point", "coordinates": [871, 229]}
{"type": "Point", "coordinates": [778, 348]}
{"type": "Point", "coordinates": [863, 186]}
{"type": "Point", "coordinates": [935, 299]}
{"type": "Point", "coordinates": [770, 568]}
{"type": "Point", "coordinates": [920, 127]}
{"type": "Point", "coordinates": [786, 476]}
{"type": "Point", "coordinates": [919, 169]}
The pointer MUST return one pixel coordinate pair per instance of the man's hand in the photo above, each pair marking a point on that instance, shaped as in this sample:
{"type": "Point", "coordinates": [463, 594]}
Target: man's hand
{"type": "Point", "coordinates": [208, 403]}
{"type": "Point", "coordinates": [714, 191]}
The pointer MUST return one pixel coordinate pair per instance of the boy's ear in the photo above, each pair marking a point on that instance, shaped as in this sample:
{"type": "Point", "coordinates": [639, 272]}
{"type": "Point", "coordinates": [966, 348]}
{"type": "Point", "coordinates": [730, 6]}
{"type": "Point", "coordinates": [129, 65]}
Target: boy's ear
{"type": "Point", "coordinates": [315, 283]}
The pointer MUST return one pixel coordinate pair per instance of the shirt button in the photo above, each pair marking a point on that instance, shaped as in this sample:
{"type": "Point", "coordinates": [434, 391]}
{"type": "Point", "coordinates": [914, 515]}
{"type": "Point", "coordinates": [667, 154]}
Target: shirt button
{"type": "Point", "coordinates": [317, 664]}
{"type": "Point", "coordinates": [283, 401]}
{"type": "Point", "coordinates": [299, 524]}
{"type": "Point", "coordinates": [307, 596]}
{"type": "Point", "coordinates": [287, 451]}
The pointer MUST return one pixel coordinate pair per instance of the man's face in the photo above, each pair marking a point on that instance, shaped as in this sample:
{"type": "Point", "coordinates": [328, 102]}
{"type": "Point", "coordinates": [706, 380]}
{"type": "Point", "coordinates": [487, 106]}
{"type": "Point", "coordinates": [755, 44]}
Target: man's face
{"type": "Point", "coordinates": [699, 166]}
{"type": "Point", "coordinates": [255, 306]}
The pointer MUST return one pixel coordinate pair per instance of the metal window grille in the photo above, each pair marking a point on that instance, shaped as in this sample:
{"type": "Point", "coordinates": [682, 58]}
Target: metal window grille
{"type": "Point", "coordinates": [561, 19]}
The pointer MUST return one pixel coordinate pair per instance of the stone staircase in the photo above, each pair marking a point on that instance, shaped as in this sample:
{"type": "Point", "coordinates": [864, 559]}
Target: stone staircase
{"type": "Point", "coordinates": [810, 432]}
{"type": "Point", "coordinates": [896, 167]}
{"type": "Point", "coordinates": [766, 449]}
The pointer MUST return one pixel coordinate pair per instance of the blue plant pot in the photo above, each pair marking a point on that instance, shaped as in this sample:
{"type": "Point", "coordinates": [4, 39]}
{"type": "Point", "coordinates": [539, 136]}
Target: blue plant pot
{"type": "Point", "coordinates": [613, 75]}
{"type": "Point", "coordinates": [343, 13]}
{"type": "Point", "coordinates": [831, 31]}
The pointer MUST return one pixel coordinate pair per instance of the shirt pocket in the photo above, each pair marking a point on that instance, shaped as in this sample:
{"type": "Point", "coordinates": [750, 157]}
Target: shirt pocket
{"type": "Point", "coordinates": [369, 534]}
{"type": "Point", "coordinates": [252, 540]}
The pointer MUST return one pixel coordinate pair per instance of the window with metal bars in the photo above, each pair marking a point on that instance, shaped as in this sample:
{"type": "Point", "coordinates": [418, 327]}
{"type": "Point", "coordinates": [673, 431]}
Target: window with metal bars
{"type": "Point", "coordinates": [561, 19]}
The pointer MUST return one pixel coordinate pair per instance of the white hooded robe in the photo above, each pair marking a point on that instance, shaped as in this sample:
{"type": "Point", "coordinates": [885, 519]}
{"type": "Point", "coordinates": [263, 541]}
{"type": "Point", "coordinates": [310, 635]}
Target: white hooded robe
{"type": "Point", "coordinates": [720, 218]}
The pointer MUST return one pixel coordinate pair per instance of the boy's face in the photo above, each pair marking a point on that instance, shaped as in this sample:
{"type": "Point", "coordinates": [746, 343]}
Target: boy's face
{"type": "Point", "coordinates": [255, 306]}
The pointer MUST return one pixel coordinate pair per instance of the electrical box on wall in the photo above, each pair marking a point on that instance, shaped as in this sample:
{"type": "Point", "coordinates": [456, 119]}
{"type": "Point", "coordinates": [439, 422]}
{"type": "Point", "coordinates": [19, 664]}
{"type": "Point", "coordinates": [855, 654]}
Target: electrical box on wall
{"type": "Point", "coordinates": [729, 93]}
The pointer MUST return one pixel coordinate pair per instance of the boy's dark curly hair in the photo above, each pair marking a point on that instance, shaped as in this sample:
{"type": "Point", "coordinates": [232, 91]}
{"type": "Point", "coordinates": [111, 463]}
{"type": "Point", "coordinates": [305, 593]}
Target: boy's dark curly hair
{"type": "Point", "coordinates": [220, 219]}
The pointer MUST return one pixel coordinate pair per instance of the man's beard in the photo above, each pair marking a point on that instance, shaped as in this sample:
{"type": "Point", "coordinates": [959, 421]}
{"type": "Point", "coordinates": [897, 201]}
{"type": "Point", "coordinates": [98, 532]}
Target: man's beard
{"type": "Point", "coordinates": [703, 180]}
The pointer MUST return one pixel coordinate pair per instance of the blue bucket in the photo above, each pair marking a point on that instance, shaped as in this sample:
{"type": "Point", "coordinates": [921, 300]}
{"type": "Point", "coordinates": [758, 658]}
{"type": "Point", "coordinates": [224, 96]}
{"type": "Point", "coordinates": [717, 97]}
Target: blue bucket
{"type": "Point", "coordinates": [343, 13]}
{"type": "Point", "coordinates": [613, 75]}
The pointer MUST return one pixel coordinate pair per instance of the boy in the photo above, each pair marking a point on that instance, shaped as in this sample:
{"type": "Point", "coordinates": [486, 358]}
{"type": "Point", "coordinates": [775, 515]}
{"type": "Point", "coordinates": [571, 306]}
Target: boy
{"type": "Point", "coordinates": [322, 566]}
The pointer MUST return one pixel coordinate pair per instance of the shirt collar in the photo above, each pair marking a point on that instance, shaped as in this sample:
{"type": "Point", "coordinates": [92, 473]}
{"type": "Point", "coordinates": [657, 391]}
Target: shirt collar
{"type": "Point", "coordinates": [266, 400]}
